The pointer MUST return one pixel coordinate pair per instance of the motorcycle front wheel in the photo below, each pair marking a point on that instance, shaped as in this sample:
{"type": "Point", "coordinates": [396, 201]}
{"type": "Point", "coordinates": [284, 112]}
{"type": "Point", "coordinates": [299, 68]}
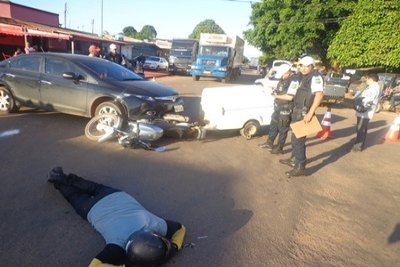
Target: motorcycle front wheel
{"type": "Point", "coordinates": [96, 127]}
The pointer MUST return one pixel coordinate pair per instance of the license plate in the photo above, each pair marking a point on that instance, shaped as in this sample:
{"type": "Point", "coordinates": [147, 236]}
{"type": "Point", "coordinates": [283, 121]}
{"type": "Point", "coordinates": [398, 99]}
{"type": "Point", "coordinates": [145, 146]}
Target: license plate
{"type": "Point", "coordinates": [178, 108]}
{"type": "Point", "coordinates": [207, 72]}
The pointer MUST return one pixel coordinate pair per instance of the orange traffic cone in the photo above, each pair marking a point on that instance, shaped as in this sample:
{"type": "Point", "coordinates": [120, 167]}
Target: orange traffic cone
{"type": "Point", "coordinates": [326, 126]}
{"type": "Point", "coordinates": [393, 133]}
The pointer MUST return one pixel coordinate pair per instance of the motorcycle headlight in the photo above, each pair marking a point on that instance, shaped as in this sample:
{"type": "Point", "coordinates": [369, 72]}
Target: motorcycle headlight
{"type": "Point", "coordinates": [146, 98]}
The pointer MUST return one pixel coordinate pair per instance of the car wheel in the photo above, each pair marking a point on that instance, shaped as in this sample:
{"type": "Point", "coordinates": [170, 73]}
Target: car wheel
{"type": "Point", "coordinates": [250, 129]}
{"type": "Point", "coordinates": [196, 78]}
{"type": "Point", "coordinates": [7, 101]}
{"type": "Point", "coordinates": [108, 108]}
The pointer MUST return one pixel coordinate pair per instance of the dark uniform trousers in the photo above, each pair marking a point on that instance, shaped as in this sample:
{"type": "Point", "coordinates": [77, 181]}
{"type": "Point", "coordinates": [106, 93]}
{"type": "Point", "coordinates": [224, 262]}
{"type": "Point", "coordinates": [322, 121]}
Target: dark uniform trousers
{"type": "Point", "coordinates": [298, 144]}
{"type": "Point", "coordinates": [278, 123]}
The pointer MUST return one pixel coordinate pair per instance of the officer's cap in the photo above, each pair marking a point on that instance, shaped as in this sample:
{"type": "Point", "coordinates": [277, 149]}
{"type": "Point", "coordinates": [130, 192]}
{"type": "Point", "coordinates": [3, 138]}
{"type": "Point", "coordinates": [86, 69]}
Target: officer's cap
{"type": "Point", "coordinates": [282, 69]}
{"type": "Point", "coordinates": [306, 61]}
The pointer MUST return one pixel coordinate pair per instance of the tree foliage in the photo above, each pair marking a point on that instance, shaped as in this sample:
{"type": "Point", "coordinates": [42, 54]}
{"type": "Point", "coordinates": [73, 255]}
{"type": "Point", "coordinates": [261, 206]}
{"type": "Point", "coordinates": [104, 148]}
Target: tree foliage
{"type": "Point", "coordinates": [129, 31]}
{"type": "Point", "coordinates": [289, 28]}
{"type": "Point", "coordinates": [370, 36]}
{"type": "Point", "coordinates": [206, 26]}
{"type": "Point", "coordinates": [148, 32]}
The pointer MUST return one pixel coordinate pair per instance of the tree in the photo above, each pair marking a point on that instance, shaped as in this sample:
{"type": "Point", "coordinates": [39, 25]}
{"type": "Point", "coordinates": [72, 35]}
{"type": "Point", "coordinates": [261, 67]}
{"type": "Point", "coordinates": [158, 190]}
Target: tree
{"type": "Point", "coordinates": [148, 32]}
{"type": "Point", "coordinates": [129, 31]}
{"type": "Point", "coordinates": [289, 28]}
{"type": "Point", "coordinates": [206, 26]}
{"type": "Point", "coordinates": [370, 36]}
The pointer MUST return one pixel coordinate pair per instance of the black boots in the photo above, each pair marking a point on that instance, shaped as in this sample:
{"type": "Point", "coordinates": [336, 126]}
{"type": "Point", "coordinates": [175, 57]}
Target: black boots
{"type": "Point", "coordinates": [269, 144]}
{"type": "Point", "coordinates": [298, 170]}
{"type": "Point", "coordinates": [277, 150]}
{"type": "Point", "coordinates": [290, 162]}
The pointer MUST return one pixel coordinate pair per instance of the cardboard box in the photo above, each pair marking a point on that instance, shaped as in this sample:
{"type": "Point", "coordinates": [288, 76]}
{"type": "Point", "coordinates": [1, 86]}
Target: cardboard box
{"type": "Point", "coordinates": [301, 129]}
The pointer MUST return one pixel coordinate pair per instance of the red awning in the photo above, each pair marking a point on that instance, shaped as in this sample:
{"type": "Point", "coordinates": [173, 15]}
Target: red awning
{"type": "Point", "coordinates": [11, 30]}
{"type": "Point", "coordinates": [19, 31]}
{"type": "Point", "coordinates": [47, 34]}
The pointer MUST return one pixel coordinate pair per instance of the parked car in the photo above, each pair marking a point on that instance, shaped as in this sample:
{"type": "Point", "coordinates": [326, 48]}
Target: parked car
{"type": "Point", "coordinates": [335, 87]}
{"type": "Point", "coordinates": [77, 84]}
{"type": "Point", "coordinates": [155, 63]}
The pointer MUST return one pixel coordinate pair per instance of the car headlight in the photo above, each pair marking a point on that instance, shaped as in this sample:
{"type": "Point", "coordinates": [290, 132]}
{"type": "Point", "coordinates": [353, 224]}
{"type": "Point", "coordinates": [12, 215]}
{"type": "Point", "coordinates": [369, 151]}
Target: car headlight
{"type": "Point", "coordinates": [146, 98]}
{"type": "Point", "coordinates": [222, 68]}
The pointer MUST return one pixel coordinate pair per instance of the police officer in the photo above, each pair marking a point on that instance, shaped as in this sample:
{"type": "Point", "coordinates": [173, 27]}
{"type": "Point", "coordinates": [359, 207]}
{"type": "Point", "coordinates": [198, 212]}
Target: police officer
{"type": "Point", "coordinates": [307, 99]}
{"type": "Point", "coordinates": [283, 105]}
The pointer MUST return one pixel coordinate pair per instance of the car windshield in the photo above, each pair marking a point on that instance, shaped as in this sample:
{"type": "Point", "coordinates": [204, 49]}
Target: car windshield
{"type": "Point", "coordinates": [214, 50]}
{"type": "Point", "coordinates": [181, 53]}
{"type": "Point", "coordinates": [153, 59]}
{"type": "Point", "coordinates": [106, 70]}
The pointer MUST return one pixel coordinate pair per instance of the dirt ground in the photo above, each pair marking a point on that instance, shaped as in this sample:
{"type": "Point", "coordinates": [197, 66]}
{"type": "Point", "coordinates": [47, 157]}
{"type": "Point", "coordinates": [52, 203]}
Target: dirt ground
{"type": "Point", "coordinates": [234, 198]}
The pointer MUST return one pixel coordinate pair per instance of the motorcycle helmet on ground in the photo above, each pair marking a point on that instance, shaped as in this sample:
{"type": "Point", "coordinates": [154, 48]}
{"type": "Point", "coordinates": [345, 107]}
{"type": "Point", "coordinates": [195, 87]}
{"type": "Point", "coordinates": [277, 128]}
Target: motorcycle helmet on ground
{"type": "Point", "coordinates": [148, 248]}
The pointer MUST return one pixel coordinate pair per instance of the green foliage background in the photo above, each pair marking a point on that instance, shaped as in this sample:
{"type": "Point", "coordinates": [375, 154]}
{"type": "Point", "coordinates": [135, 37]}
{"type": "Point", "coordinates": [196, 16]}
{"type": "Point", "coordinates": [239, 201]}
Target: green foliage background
{"type": "Point", "coordinates": [356, 33]}
{"type": "Point", "coordinates": [340, 33]}
{"type": "Point", "coordinates": [370, 36]}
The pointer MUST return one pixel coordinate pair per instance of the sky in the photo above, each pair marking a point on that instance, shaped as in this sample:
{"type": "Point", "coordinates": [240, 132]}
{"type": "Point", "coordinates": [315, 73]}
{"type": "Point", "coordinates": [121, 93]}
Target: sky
{"type": "Point", "coordinates": [170, 18]}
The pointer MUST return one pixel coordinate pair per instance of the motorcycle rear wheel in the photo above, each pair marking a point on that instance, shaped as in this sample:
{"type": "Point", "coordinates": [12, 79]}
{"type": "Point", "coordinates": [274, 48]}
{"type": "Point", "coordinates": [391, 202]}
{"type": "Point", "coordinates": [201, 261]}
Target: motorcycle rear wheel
{"type": "Point", "coordinates": [94, 129]}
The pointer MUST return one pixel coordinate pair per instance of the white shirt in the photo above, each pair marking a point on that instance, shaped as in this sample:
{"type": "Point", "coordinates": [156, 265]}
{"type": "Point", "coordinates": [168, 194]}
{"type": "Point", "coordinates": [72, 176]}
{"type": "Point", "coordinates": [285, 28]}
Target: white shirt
{"type": "Point", "coordinates": [369, 94]}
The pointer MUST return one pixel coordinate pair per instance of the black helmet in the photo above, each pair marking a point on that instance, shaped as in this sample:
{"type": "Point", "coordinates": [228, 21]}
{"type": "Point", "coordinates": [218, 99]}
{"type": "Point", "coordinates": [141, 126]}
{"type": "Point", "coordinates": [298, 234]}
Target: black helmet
{"type": "Point", "coordinates": [148, 248]}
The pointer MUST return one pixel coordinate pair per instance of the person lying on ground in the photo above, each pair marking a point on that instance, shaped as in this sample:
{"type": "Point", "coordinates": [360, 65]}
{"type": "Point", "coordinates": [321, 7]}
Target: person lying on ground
{"type": "Point", "coordinates": [133, 235]}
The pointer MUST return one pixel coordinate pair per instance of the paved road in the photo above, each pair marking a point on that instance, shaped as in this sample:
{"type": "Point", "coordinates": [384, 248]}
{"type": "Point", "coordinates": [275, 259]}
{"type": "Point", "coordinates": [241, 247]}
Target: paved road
{"type": "Point", "coordinates": [239, 208]}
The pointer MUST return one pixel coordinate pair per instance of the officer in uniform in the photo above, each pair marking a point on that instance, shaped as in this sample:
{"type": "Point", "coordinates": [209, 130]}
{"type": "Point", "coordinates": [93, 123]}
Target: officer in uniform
{"type": "Point", "coordinates": [283, 105]}
{"type": "Point", "coordinates": [306, 101]}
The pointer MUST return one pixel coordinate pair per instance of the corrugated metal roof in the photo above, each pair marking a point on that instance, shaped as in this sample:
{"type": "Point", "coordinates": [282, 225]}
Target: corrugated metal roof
{"type": "Point", "coordinates": [20, 27]}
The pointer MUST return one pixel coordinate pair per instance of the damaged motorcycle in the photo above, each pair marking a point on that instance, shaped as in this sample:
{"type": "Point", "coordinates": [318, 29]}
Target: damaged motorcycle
{"type": "Point", "coordinates": [142, 123]}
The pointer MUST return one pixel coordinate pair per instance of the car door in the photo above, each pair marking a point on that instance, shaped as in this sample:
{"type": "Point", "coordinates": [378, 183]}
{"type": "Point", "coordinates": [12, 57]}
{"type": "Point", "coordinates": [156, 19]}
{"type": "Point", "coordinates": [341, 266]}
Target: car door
{"type": "Point", "coordinates": [59, 93]}
{"type": "Point", "coordinates": [23, 77]}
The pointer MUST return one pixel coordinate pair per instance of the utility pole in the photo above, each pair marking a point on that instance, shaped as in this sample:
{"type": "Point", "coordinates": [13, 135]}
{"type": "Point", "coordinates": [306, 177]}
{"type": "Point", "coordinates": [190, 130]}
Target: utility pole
{"type": "Point", "coordinates": [65, 15]}
{"type": "Point", "coordinates": [101, 33]}
{"type": "Point", "coordinates": [92, 25]}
